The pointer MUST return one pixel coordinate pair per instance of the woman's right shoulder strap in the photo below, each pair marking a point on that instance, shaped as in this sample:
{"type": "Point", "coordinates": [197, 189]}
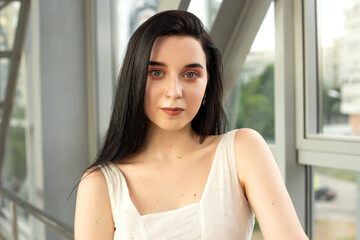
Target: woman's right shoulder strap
{"type": "Point", "coordinates": [115, 184]}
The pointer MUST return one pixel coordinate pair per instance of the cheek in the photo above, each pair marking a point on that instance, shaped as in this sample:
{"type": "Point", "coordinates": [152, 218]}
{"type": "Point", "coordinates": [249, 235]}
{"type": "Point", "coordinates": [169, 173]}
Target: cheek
{"type": "Point", "coordinates": [148, 97]}
{"type": "Point", "coordinates": [151, 93]}
{"type": "Point", "coordinates": [195, 96]}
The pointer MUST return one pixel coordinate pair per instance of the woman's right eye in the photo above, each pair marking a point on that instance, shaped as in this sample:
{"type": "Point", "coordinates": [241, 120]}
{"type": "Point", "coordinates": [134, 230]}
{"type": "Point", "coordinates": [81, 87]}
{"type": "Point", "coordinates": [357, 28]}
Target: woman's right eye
{"type": "Point", "coordinates": [156, 73]}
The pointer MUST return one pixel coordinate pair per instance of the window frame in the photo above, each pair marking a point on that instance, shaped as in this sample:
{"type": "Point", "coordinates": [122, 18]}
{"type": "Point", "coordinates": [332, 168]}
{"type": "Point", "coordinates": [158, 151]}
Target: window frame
{"type": "Point", "coordinates": [316, 149]}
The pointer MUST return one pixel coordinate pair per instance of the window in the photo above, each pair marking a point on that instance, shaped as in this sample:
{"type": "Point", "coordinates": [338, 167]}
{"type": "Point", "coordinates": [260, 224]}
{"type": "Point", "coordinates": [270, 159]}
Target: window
{"type": "Point", "coordinates": [339, 70]}
{"type": "Point", "coordinates": [335, 203]}
{"type": "Point", "coordinates": [328, 132]}
{"type": "Point", "coordinates": [205, 10]}
{"type": "Point", "coordinates": [14, 168]}
{"type": "Point", "coordinates": [128, 16]}
{"type": "Point", "coordinates": [251, 103]}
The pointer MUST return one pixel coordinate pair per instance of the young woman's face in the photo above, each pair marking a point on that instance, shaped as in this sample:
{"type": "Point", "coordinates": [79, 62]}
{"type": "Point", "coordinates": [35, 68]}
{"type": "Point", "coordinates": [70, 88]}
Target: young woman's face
{"type": "Point", "coordinates": [176, 82]}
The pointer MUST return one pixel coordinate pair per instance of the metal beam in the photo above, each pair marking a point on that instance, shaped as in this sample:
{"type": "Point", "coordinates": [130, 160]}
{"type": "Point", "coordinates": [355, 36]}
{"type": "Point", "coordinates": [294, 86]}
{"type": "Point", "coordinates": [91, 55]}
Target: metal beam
{"type": "Point", "coordinates": [5, 2]}
{"type": "Point", "coordinates": [184, 5]}
{"type": "Point", "coordinates": [5, 54]}
{"type": "Point", "coordinates": [91, 78]}
{"type": "Point", "coordinates": [234, 31]}
{"type": "Point", "coordinates": [285, 120]}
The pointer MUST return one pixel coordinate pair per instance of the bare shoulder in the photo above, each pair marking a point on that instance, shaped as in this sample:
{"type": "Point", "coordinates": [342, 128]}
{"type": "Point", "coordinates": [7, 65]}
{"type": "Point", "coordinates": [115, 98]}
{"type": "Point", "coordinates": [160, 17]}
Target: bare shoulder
{"type": "Point", "coordinates": [247, 137]}
{"type": "Point", "coordinates": [93, 216]}
{"type": "Point", "coordinates": [93, 177]}
{"type": "Point", "coordinates": [264, 188]}
{"type": "Point", "coordinates": [93, 185]}
{"type": "Point", "coordinates": [252, 152]}
{"type": "Point", "coordinates": [250, 141]}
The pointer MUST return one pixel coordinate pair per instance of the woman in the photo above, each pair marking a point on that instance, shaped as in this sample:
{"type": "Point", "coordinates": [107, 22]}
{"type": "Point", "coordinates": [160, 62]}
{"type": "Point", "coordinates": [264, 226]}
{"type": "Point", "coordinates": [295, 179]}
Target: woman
{"type": "Point", "coordinates": [164, 170]}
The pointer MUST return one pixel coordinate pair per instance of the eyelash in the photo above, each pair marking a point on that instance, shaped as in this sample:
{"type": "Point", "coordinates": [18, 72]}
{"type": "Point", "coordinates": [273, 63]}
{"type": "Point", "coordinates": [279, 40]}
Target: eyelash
{"type": "Point", "coordinates": [152, 71]}
{"type": "Point", "coordinates": [194, 73]}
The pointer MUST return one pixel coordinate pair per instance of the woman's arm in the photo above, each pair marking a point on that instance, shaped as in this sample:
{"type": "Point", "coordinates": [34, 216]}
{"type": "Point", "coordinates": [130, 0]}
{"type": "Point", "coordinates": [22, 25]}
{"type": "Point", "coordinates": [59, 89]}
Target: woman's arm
{"type": "Point", "coordinates": [93, 217]}
{"type": "Point", "coordinates": [264, 188]}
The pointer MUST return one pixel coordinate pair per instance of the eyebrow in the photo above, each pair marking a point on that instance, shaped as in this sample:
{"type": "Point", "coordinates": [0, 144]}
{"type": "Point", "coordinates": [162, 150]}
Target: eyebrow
{"type": "Point", "coordinates": [192, 65]}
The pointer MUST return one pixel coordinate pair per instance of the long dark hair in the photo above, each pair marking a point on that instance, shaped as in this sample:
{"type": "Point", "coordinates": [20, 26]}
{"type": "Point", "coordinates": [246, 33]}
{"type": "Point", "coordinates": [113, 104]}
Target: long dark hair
{"type": "Point", "coordinates": [128, 123]}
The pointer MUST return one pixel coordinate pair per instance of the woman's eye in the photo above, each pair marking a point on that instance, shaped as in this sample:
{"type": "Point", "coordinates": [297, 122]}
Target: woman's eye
{"type": "Point", "coordinates": [156, 73]}
{"type": "Point", "coordinates": [190, 75]}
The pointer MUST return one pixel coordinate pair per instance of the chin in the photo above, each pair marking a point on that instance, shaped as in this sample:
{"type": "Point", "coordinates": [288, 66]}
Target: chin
{"type": "Point", "coordinates": [172, 127]}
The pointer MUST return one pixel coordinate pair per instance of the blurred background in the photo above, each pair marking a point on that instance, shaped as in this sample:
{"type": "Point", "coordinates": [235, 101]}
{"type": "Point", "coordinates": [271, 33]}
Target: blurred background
{"type": "Point", "coordinates": [291, 72]}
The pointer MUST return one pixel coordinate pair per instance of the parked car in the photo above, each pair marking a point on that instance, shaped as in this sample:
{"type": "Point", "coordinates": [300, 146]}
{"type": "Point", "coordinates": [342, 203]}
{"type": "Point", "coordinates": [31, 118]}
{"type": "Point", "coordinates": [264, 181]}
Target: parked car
{"type": "Point", "coordinates": [324, 193]}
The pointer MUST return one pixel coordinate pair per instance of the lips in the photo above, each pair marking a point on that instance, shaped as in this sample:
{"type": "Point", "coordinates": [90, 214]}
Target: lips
{"type": "Point", "coordinates": [172, 111]}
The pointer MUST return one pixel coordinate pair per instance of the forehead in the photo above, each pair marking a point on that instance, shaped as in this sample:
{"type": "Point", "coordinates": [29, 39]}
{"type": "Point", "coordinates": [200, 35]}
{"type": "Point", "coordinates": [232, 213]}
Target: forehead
{"type": "Point", "coordinates": [180, 48]}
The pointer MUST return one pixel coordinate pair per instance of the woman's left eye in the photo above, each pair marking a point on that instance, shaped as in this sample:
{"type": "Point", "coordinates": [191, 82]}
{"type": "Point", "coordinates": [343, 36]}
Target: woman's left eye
{"type": "Point", "coordinates": [156, 73]}
{"type": "Point", "coordinates": [190, 75]}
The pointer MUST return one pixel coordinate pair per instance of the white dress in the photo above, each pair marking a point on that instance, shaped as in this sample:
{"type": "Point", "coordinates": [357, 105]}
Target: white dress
{"type": "Point", "coordinates": [222, 213]}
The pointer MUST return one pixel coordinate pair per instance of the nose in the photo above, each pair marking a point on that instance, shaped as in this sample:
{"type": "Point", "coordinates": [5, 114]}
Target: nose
{"type": "Point", "coordinates": [174, 88]}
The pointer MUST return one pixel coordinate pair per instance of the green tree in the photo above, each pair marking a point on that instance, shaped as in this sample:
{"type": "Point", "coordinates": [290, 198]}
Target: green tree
{"type": "Point", "coordinates": [15, 157]}
{"type": "Point", "coordinates": [256, 108]}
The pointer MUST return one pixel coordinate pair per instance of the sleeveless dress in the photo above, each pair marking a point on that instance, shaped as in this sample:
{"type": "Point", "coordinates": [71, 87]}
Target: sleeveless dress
{"type": "Point", "coordinates": [222, 213]}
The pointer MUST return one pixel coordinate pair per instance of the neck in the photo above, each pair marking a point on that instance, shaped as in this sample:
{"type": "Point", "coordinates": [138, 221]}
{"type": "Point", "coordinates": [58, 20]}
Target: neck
{"type": "Point", "coordinates": [165, 145]}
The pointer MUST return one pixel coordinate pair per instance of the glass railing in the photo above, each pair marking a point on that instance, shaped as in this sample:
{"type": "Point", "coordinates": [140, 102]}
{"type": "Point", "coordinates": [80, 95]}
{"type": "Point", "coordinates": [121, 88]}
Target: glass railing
{"type": "Point", "coordinates": [10, 218]}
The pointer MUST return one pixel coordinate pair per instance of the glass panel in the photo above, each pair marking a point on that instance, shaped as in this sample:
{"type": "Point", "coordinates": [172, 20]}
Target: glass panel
{"type": "Point", "coordinates": [14, 171]}
{"type": "Point", "coordinates": [128, 16]}
{"type": "Point", "coordinates": [28, 226]}
{"type": "Point", "coordinates": [4, 71]}
{"type": "Point", "coordinates": [206, 10]}
{"type": "Point", "coordinates": [257, 235]}
{"type": "Point", "coordinates": [5, 218]}
{"type": "Point", "coordinates": [251, 103]}
{"type": "Point", "coordinates": [8, 25]}
{"type": "Point", "coordinates": [31, 228]}
{"type": "Point", "coordinates": [336, 204]}
{"type": "Point", "coordinates": [339, 66]}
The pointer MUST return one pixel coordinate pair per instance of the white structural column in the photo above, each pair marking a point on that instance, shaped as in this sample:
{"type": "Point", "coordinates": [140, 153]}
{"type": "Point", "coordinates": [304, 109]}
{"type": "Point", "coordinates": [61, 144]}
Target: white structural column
{"type": "Point", "coordinates": [285, 125]}
{"type": "Point", "coordinates": [91, 79]}
{"type": "Point", "coordinates": [59, 77]}
{"type": "Point", "coordinates": [104, 71]}
{"type": "Point", "coordinates": [34, 135]}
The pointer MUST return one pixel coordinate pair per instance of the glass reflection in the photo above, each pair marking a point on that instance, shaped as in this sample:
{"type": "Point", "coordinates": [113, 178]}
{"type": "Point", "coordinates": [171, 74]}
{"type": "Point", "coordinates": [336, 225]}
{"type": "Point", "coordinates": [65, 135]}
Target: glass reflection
{"type": "Point", "coordinates": [335, 203]}
{"type": "Point", "coordinates": [129, 15]}
{"type": "Point", "coordinates": [206, 10]}
{"type": "Point", "coordinates": [251, 103]}
{"type": "Point", "coordinates": [4, 70]}
{"type": "Point", "coordinates": [339, 66]}
{"type": "Point", "coordinates": [8, 24]}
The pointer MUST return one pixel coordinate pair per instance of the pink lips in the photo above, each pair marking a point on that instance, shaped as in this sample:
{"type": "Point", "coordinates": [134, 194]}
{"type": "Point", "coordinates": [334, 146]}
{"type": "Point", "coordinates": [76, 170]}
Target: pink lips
{"type": "Point", "coordinates": [172, 111]}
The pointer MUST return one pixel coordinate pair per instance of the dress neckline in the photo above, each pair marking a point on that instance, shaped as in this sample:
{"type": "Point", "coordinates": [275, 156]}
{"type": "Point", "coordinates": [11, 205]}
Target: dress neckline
{"type": "Point", "coordinates": [175, 209]}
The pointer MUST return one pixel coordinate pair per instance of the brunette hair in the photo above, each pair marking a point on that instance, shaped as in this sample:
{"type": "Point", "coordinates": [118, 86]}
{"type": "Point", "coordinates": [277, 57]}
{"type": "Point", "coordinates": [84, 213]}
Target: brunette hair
{"type": "Point", "coordinates": [128, 123]}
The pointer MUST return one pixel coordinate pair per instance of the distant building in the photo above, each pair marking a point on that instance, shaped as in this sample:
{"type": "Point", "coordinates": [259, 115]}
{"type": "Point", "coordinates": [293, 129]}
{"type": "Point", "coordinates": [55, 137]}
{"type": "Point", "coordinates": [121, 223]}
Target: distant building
{"type": "Point", "coordinates": [255, 64]}
{"type": "Point", "coordinates": [350, 66]}
{"type": "Point", "coordinates": [330, 63]}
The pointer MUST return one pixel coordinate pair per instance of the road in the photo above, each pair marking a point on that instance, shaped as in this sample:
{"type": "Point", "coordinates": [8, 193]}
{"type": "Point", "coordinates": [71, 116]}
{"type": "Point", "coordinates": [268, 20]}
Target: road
{"type": "Point", "coordinates": [343, 206]}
